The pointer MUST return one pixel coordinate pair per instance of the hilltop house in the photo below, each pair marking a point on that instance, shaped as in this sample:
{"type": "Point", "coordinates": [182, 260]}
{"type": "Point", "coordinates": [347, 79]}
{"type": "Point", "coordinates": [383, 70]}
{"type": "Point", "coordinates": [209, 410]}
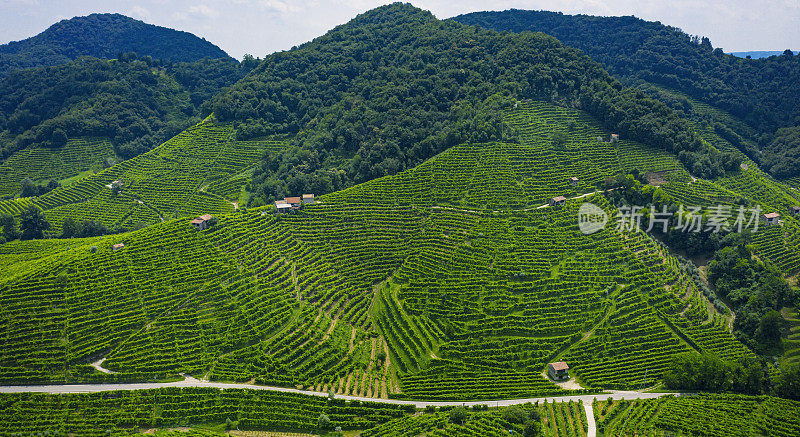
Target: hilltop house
{"type": "Point", "coordinates": [559, 200]}
{"type": "Point", "coordinates": [771, 218]}
{"type": "Point", "coordinates": [574, 181]}
{"type": "Point", "coordinates": [117, 246]}
{"type": "Point", "coordinates": [794, 210]}
{"type": "Point", "coordinates": [202, 222]}
{"type": "Point", "coordinates": [558, 370]}
{"type": "Point", "coordinates": [308, 199]}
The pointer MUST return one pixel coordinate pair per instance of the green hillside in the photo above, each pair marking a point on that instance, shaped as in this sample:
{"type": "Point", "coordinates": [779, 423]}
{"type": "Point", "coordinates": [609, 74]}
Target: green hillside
{"type": "Point", "coordinates": [104, 36]}
{"type": "Point", "coordinates": [427, 275]}
{"type": "Point", "coordinates": [56, 122]}
{"type": "Point", "coordinates": [395, 86]}
{"type": "Point", "coordinates": [196, 172]}
{"type": "Point", "coordinates": [41, 164]}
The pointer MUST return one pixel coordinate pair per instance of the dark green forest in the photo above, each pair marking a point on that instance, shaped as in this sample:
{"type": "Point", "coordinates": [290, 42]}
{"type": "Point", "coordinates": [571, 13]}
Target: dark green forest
{"type": "Point", "coordinates": [764, 93]}
{"type": "Point", "coordinates": [137, 103]}
{"type": "Point", "coordinates": [396, 86]}
{"type": "Point", "coordinates": [104, 36]}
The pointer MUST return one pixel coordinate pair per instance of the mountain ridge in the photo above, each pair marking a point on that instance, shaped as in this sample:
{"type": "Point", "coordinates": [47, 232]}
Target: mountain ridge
{"type": "Point", "coordinates": [104, 36]}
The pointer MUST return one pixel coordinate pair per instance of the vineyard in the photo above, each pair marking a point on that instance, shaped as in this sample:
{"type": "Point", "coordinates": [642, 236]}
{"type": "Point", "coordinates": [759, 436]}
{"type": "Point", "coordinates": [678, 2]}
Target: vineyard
{"type": "Point", "coordinates": [42, 164]}
{"type": "Point", "coordinates": [566, 419]}
{"type": "Point", "coordinates": [449, 281]}
{"type": "Point", "coordinates": [196, 172]}
{"type": "Point", "coordinates": [699, 415]}
{"type": "Point", "coordinates": [126, 412]}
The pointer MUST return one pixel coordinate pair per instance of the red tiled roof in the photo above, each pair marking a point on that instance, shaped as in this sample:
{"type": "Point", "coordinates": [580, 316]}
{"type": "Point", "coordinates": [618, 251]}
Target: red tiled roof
{"type": "Point", "coordinates": [559, 198]}
{"type": "Point", "coordinates": [560, 365]}
{"type": "Point", "coordinates": [772, 215]}
{"type": "Point", "coordinates": [292, 200]}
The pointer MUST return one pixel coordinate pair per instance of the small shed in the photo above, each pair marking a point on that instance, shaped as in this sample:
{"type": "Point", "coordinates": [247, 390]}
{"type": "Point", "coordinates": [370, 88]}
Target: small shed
{"type": "Point", "coordinates": [558, 370]}
{"type": "Point", "coordinates": [771, 218]}
{"type": "Point", "coordinates": [117, 184]}
{"type": "Point", "coordinates": [558, 200]}
{"type": "Point", "coordinates": [202, 222]}
{"type": "Point", "coordinates": [282, 206]}
{"type": "Point", "coordinates": [294, 201]}
{"type": "Point", "coordinates": [308, 199]}
{"type": "Point", "coordinates": [614, 138]}
{"type": "Point", "coordinates": [794, 210]}
{"type": "Point", "coordinates": [574, 181]}
{"type": "Point", "coordinates": [117, 246]}
{"type": "Point", "coordinates": [743, 166]}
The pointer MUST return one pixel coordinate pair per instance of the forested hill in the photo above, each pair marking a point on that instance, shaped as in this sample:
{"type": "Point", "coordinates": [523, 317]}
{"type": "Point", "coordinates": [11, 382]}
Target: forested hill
{"type": "Point", "coordinates": [765, 93]}
{"type": "Point", "coordinates": [395, 86]}
{"type": "Point", "coordinates": [134, 104]}
{"type": "Point", "coordinates": [104, 36]}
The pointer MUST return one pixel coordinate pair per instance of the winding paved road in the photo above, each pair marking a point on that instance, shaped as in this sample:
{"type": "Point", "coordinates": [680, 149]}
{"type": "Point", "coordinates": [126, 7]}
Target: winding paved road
{"type": "Point", "coordinates": [192, 382]}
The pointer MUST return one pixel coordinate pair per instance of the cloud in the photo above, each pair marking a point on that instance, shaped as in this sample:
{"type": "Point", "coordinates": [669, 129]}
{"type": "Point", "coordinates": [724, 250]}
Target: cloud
{"type": "Point", "coordinates": [280, 6]}
{"type": "Point", "coordinates": [138, 11]}
{"type": "Point", "coordinates": [204, 10]}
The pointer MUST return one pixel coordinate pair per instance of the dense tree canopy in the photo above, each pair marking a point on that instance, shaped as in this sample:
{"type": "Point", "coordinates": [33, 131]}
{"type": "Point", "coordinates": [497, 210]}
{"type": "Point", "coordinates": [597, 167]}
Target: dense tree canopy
{"type": "Point", "coordinates": [137, 103]}
{"type": "Point", "coordinates": [104, 36]}
{"type": "Point", "coordinates": [395, 86]}
{"type": "Point", "coordinates": [765, 93]}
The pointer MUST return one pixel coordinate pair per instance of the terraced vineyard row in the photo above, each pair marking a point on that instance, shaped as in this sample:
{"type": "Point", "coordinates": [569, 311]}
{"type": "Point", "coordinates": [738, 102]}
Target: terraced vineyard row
{"type": "Point", "coordinates": [700, 415]}
{"type": "Point", "coordinates": [193, 173]}
{"type": "Point", "coordinates": [124, 412]}
{"type": "Point", "coordinates": [41, 164]}
{"type": "Point", "coordinates": [502, 176]}
{"type": "Point", "coordinates": [558, 419]}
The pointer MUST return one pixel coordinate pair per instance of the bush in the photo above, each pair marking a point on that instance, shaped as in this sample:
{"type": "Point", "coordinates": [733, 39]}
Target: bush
{"type": "Point", "coordinates": [459, 415]}
{"type": "Point", "coordinates": [323, 422]}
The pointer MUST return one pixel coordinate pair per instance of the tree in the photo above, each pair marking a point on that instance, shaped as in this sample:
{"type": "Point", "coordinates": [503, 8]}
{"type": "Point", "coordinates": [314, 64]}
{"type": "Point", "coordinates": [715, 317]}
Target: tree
{"type": "Point", "coordinates": [9, 225]}
{"type": "Point", "coordinates": [769, 328]}
{"type": "Point", "coordinates": [323, 422]}
{"type": "Point", "coordinates": [32, 223]}
{"type": "Point", "coordinates": [787, 383]}
{"type": "Point", "coordinates": [69, 228]}
{"type": "Point", "coordinates": [514, 414]}
{"type": "Point", "coordinates": [459, 415]}
{"type": "Point", "coordinates": [29, 188]}
{"type": "Point", "coordinates": [532, 428]}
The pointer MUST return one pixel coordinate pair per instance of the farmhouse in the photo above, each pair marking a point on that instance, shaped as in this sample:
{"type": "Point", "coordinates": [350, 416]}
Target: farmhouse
{"type": "Point", "coordinates": [794, 210]}
{"type": "Point", "coordinates": [117, 247]}
{"type": "Point", "coordinates": [614, 138]}
{"type": "Point", "coordinates": [771, 218]}
{"type": "Point", "coordinates": [574, 181]}
{"type": "Point", "coordinates": [202, 222]}
{"type": "Point", "coordinates": [308, 199]}
{"type": "Point", "coordinates": [294, 201]}
{"type": "Point", "coordinates": [559, 200]}
{"type": "Point", "coordinates": [558, 370]}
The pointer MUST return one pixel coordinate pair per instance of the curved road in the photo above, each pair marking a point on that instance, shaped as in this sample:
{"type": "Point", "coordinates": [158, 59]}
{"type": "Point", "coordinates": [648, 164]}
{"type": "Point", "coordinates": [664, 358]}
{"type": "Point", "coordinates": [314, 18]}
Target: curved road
{"type": "Point", "coordinates": [192, 382]}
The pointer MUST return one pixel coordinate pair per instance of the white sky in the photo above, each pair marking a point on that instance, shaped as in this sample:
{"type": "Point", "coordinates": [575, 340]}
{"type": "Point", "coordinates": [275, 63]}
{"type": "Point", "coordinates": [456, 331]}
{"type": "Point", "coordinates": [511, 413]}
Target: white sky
{"type": "Point", "coordinates": [261, 27]}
